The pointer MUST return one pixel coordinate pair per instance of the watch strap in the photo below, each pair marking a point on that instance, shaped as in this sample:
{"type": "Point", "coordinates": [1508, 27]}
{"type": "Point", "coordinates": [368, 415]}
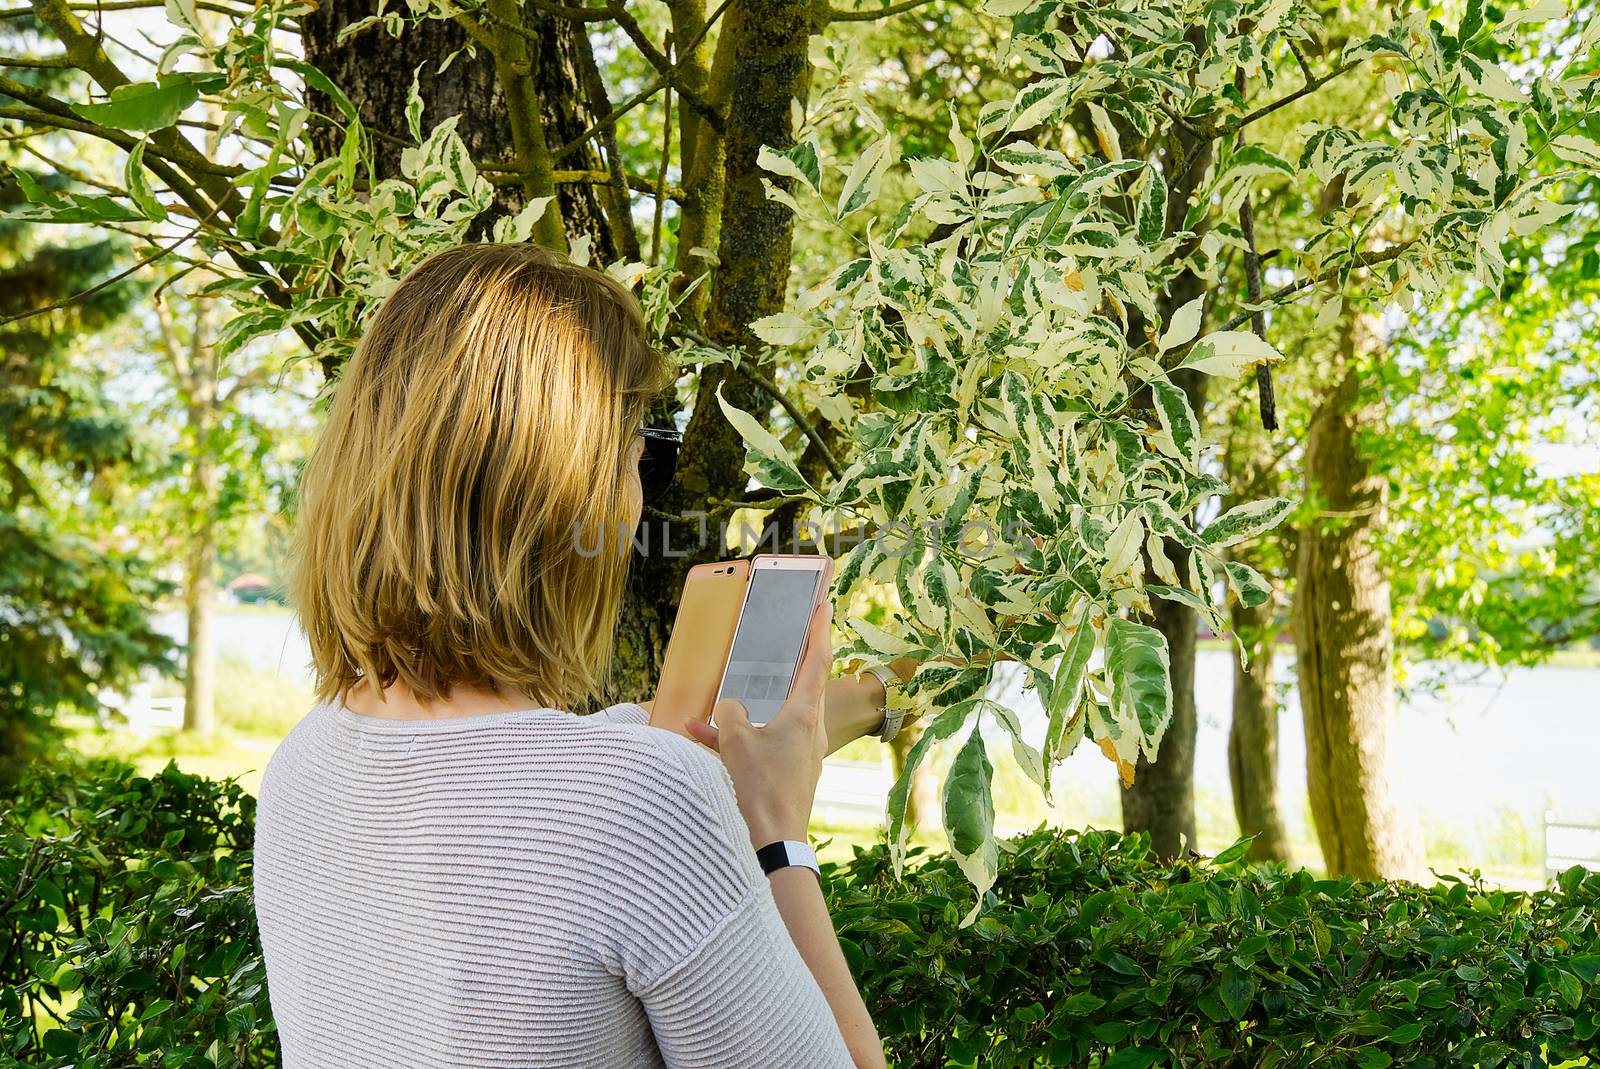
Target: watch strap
{"type": "Point", "coordinates": [786, 853]}
{"type": "Point", "coordinates": [893, 718]}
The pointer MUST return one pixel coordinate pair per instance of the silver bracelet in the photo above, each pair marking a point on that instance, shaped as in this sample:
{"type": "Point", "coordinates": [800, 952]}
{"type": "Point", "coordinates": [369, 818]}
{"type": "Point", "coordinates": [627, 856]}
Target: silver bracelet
{"type": "Point", "coordinates": [893, 718]}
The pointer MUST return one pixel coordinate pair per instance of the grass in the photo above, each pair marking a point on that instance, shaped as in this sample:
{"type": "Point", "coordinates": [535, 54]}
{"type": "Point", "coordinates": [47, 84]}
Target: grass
{"type": "Point", "coordinates": [256, 709]}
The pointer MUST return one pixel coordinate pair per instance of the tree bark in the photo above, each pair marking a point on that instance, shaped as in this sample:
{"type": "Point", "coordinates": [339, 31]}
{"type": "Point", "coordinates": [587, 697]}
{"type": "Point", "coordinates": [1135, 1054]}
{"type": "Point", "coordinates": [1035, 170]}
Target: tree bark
{"type": "Point", "coordinates": [1161, 800]}
{"type": "Point", "coordinates": [1253, 732]}
{"type": "Point", "coordinates": [374, 70]}
{"type": "Point", "coordinates": [200, 589]}
{"type": "Point", "coordinates": [1342, 636]}
{"type": "Point", "coordinates": [767, 66]}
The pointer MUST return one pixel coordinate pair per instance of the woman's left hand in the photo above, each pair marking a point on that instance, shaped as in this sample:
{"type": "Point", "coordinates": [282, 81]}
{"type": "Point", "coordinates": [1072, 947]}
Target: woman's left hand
{"type": "Point", "coordinates": [854, 704]}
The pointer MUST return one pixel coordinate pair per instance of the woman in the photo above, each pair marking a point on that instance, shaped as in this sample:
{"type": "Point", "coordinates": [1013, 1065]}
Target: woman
{"type": "Point", "coordinates": [450, 870]}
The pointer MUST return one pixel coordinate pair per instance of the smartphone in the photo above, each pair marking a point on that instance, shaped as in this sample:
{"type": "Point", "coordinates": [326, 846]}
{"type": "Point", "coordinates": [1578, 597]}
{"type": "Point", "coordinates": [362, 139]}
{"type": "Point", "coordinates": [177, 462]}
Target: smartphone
{"type": "Point", "coordinates": [780, 596]}
{"type": "Point", "coordinates": [702, 632]}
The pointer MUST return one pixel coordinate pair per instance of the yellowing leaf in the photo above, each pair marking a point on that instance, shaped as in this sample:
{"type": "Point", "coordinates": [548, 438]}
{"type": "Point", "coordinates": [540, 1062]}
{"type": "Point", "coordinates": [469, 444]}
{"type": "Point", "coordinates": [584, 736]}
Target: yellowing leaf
{"type": "Point", "coordinates": [1124, 768]}
{"type": "Point", "coordinates": [1105, 132]}
{"type": "Point", "coordinates": [1227, 353]}
{"type": "Point", "coordinates": [1184, 324]}
{"type": "Point", "coordinates": [1123, 548]}
{"type": "Point", "coordinates": [784, 328]}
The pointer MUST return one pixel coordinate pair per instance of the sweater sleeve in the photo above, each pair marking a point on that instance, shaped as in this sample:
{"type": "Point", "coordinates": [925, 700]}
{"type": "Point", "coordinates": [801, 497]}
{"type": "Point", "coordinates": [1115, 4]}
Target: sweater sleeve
{"type": "Point", "coordinates": [741, 995]}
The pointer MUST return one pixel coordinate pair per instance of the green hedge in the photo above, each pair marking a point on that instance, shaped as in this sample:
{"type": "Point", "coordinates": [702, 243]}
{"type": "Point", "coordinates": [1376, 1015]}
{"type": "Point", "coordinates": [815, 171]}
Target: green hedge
{"type": "Point", "coordinates": [127, 932]}
{"type": "Point", "coordinates": [126, 938]}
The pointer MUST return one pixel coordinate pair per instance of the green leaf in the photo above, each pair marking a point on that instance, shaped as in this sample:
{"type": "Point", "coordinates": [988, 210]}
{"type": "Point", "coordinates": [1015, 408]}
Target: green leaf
{"type": "Point", "coordinates": [1260, 160]}
{"type": "Point", "coordinates": [1406, 1033]}
{"type": "Point", "coordinates": [1178, 420]}
{"type": "Point", "coordinates": [1238, 990]}
{"type": "Point", "coordinates": [1237, 852]}
{"type": "Point", "coordinates": [1373, 1058]}
{"type": "Point", "coordinates": [1135, 1058]}
{"type": "Point", "coordinates": [1569, 987]}
{"type": "Point", "coordinates": [766, 457]}
{"type": "Point", "coordinates": [1227, 353]}
{"type": "Point", "coordinates": [1153, 208]}
{"type": "Point", "coordinates": [1067, 687]}
{"type": "Point", "coordinates": [315, 79]}
{"type": "Point", "coordinates": [145, 106]}
{"type": "Point", "coordinates": [1586, 966]}
{"type": "Point", "coordinates": [1246, 521]}
{"type": "Point", "coordinates": [939, 728]}
{"type": "Point", "coordinates": [968, 812]}
{"type": "Point", "coordinates": [861, 185]}
{"type": "Point", "coordinates": [138, 188]}
{"type": "Point", "coordinates": [1137, 666]}
{"type": "Point", "coordinates": [1247, 583]}
{"type": "Point", "coordinates": [801, 162]}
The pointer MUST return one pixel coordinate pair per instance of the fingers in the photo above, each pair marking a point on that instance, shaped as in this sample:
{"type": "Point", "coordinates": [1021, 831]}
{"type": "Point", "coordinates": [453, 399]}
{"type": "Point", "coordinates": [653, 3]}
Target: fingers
{"type": "Point", "coordinates": [703, 733]}
{"type": "Point", "coordinates": [812, 675]}
{"type": "Point", "coordinates": [731, 715]}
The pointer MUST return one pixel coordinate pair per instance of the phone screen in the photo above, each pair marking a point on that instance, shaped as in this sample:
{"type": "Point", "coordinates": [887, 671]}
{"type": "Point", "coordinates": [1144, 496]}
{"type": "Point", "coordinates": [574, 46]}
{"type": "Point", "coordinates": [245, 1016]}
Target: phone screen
{"type": "Point", "coordinates": [766, 647]}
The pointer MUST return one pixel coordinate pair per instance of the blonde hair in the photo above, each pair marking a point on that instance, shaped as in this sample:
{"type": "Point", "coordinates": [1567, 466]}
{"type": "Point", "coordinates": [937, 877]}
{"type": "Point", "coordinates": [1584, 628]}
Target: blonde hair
{"type": "Point", "coordinates": [460, 512]}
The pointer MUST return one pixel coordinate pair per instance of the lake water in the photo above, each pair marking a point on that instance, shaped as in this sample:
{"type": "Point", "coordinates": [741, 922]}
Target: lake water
{"type": "Point", "coordinates": [1526, 741]}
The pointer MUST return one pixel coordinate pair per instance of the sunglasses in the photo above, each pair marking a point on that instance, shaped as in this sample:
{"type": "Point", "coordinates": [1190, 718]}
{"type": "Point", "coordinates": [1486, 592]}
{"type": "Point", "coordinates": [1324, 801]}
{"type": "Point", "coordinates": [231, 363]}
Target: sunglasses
{"type": "Point", "coordinates": [659, 462]}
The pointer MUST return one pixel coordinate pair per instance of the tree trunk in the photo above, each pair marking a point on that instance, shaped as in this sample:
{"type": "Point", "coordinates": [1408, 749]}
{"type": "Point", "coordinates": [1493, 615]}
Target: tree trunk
{"type": "Point", "coordinates": [1253, 732]}
{"type": "Point", "coordinates": [1343, 640]}
{"type": "Point", "coordinates": [200, 592]}
{"type": "Point", "coordinates": [769, 68]}
{"type": "Point", "coordinates": [1253, 735]}
{"type": "Point", "coordinates": [374, 70]}
{"type": "Point", "coordinates": [1161, 800]}
{"type": "Point", "coordinates": [200, 596]}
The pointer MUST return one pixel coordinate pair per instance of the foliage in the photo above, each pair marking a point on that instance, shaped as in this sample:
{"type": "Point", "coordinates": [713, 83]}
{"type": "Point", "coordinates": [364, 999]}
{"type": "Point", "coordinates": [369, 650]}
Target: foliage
{"type": "Point", "coordinates": [128, 911]}
{"type": "Point", "coordinates": [1093, 953]}
{"type": "Point", "coordinates": [127, 928]}
{"type": "Point", "coordinates": [1002, 357]}
{"type": "Point", "coordinates": [72, 601]}
{"type": "Point", "coordinates": [1024, 375]}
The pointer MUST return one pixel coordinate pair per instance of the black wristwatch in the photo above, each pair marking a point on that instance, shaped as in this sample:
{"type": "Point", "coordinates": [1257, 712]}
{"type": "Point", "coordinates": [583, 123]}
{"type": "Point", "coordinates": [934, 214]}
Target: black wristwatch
{"type": "Point", "coordinates": [786, 853]}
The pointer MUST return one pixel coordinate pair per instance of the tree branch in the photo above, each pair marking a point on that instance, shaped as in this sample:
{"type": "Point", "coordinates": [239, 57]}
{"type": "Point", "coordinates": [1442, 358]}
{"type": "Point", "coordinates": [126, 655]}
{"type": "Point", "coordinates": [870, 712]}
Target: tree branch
{"type": "Point", "coordinates": [1266, 401]}
{"type": "Point", "coordinates": [743, 364]}
{"type": "Point", "coordinates": [1391, 253]}
{"type": "Point", "coordinates": [1282, 102]}
{"type": "Point", "coordinates": [839, 15]}
{"type": "Point", "coordinates": [503, 175]}
{"type": "Point", "coordinates": [143, 261]}
{"type": "Point", "coordinates": [36, 62]}
{"type": "Point", "coordinates": [661, 82]}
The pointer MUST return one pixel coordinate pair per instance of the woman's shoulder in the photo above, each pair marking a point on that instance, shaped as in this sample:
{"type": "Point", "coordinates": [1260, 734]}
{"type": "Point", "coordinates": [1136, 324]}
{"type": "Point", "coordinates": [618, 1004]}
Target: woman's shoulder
{"type": "Point", "coordinates": [665, 754]}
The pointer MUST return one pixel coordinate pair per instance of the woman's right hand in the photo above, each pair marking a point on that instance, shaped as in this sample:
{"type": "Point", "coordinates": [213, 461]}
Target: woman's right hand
{"type": "Point", "coordinates": [775, 767]}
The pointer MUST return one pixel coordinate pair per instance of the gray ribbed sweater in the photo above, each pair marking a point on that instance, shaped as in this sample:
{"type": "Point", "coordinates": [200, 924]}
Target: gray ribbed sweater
{"type": "Point", "coordinates": [517, 890]}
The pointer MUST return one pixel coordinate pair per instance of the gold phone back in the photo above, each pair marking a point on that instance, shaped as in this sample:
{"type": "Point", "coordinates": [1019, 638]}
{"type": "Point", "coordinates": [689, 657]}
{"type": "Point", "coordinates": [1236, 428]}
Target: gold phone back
{"type": "Point", "coordinates": [697, 649]}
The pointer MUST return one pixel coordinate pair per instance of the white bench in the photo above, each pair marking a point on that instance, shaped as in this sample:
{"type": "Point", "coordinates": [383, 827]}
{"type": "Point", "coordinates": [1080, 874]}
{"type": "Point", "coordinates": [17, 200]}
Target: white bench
{"type": "Point", "coordinates": [852, 792]}
{"type": "Point", "coordinates": [145, 714]}
{"type": "Point", "coordinates": [1567, 843]}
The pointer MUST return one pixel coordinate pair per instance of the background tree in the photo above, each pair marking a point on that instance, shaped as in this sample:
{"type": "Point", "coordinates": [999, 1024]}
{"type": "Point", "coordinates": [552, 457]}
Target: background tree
{"type": "Point", "coordinates": [73, 594]}
{"type": "Point", "coordinates": [985, 354]}
{"type": "Point", "coordinates": [229, 431]}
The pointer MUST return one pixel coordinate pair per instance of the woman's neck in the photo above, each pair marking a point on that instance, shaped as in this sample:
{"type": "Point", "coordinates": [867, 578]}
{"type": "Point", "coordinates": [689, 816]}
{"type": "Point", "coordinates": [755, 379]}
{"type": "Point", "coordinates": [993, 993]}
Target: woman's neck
{"type": "Point", "coordinates": [398, 702]}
